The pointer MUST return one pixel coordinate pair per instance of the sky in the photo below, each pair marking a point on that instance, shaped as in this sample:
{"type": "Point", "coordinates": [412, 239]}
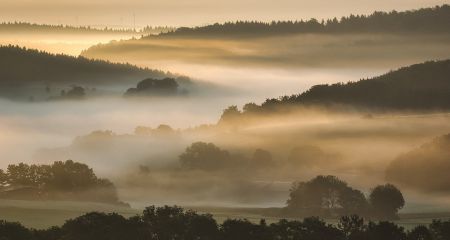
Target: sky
{"type": "Point", "coordinates": [119, 13]}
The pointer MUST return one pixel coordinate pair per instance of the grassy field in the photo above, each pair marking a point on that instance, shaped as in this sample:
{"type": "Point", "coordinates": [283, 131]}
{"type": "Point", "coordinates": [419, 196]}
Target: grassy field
{"type": "Point", "coordinates": [43, 214]}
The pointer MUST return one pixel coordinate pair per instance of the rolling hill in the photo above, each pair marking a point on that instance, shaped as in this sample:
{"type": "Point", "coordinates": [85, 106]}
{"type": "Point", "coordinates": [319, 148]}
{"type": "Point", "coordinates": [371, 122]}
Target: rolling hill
{"type": "Point", "coordinates": [419, 87]}
{"type": "Point", "coordinates": [27, 72]}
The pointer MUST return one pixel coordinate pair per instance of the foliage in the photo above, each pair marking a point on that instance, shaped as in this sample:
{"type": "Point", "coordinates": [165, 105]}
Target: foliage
{"type": "Point", "coordinates": [204, 156]}
{"type": "Point", "coordinates": [386, 200]}
{"type": "Point", "coordinates": [69, 178]}
{"type": "Point", "coordinates": [154, 87]}
{"type": "Point", "coordinates": [425, 20]}
{"type": "Point", "coordinates": [325, 196]}
{"type": "Point", "coordinates": [423, 87]}
{"type": "Point", "coordinates": [174, 223]}
{"type": "Point", "coordinates": [11, 27]}
{"type": "Point", "coordinates": [27, 67]}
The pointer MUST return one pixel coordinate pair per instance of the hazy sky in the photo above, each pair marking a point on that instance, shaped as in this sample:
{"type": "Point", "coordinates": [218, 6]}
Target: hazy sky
{"type": "Point", "coordinates": [189, 12]}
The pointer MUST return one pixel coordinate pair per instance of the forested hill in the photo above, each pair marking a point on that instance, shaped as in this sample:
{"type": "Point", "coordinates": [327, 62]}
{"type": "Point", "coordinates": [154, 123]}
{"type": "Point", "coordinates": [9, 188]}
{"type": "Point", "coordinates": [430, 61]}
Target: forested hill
{"type": "Point", "coordinates": [423, 87]}
{"type": "Point", "coordinates": [420, 86]}
{"type": "Point", "coordinates": [21, 66]}
{"type": "Point", "coordinates": [33, 28]}
{"type": "Point", "coordinates": [425, 20]}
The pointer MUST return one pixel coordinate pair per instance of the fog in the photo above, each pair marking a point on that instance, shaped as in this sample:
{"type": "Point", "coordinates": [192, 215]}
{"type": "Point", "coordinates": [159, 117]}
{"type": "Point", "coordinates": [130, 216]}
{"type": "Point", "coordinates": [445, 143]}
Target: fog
{"type": "Point", "coordinates": [145, 166]}
{"type": "Point", "coordinates": [192, 12]}
{"type": "Point", "coordinates": [58, 122]}
{"type": "Point", "coordinates": [291, 51]}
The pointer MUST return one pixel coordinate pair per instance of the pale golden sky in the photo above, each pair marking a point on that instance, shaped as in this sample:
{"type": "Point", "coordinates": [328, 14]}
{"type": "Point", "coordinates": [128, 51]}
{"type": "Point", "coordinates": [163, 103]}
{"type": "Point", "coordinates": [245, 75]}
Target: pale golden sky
{"type": "Point", "coordinates": [190, 12]}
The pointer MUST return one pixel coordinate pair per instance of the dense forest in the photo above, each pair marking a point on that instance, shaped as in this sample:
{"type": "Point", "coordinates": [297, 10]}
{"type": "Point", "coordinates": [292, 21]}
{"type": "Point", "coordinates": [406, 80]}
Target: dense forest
{"type": "Point", "coordinates": [14, 27]}
{"type": "Point", "coordinates": [425, 20]}
{"type": "Point", "coordinates": [27, 66]}
{"type": "Point", "coordinates": [175, 223]}
{"type": "Point", "coordinates": [66, 180]}
{"type": "Point", "coordinates": [30, 73]}
{"type": "Point", "coordinates": [423, 87]}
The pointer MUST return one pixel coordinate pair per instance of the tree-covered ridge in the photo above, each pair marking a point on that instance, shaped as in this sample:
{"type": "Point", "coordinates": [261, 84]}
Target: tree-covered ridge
{"type": "Point", "coordinates": [423, 87]}
{"type": "Point", "coordinates": [27, 66]}
{"type": "Point", "coordinates": [66, 180]}
{"type": "Point", "coordinates": [431, 20]}
{"type": "Point", "coordinates": [11, 27]}
{"type": "Point", "coordinates": [175, 223]}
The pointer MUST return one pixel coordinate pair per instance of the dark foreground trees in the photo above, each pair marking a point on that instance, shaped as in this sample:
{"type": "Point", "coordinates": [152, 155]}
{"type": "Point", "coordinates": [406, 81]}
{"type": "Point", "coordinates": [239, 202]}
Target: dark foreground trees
{"type": "Point", "coordinates": [174, 223]}
{"type": "Point", "coordinates": [386, 200]}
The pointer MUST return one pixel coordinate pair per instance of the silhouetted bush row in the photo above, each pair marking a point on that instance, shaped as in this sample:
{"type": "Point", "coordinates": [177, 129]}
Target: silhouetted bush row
{"type": "Point", "coordinates": [424, 20]}
{"type": "Point", "coordinates": [173, 223]}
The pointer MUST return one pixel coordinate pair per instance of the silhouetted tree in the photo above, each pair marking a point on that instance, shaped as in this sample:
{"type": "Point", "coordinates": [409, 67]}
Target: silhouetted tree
{"type": "Point", "coordinates": [97, 226]}
{"type": "Point", "coordinates": [385, 231]}
{"type": "Point", "coordinates": [386, 201]}
{"type": "Point", "coordinates": [325, 196]}
{"type": "Point", "coordinates": [154, 87]}
{"type": "Point", "coordinates": [242, 229]}
{"type": "Point", "coordinates": [419, 233]}
{"type": "Point", "coordinates": [3, 177]}
{"type": "Point", "coordinates": [68, 177]}
{"type": "Point", "coordinates": [230, 116]}
{"type": "Point", "coordinates": [14, 231]}
{"type": "Point", "coordinates": [204, 156]}
{"type": "Point", "coordinates": [76, 92]}
{"type": "Point", "coordinates": [352, 227]}
{"type": "Point", "coordinates": [440, 230]}
{"type": "Point", "coordinates": [174, 223]}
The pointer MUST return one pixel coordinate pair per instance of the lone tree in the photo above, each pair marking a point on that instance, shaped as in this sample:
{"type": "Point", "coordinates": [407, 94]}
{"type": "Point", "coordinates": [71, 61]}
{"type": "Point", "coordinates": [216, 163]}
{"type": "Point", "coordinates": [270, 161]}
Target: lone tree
{"type": "Point", "coordinates": [386, 200]}
{"type": "Point", "coordinates": [325, 196]}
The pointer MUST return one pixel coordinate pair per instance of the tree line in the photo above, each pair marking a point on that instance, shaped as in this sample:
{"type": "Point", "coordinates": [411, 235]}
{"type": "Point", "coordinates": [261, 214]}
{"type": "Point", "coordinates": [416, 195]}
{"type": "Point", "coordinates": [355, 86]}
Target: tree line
{"type": "Point", "coordinates": [424, 20]}
{"type": "Point", "coordinates": [27, 66]}
{"type": "Point", "coordinates": [60, 180]}
{"type": "Point", "coordinates": [175, 223]}
{"type": "Point", "coordinates": [210, 157]}
{"type": "Point", "coordinates": [44, 28]}
{"type": "Point", "coordinates": [423, 87]}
